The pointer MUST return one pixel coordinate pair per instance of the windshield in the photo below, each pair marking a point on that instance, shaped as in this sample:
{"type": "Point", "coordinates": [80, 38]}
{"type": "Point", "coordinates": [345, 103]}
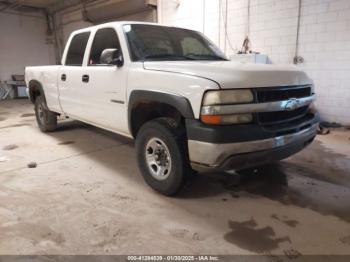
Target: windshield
{"type": "Point", "coordinates": [157, 43]}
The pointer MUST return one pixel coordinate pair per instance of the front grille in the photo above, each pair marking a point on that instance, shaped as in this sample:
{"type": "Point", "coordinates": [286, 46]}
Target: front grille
{"type": "Point", "coordinates": [282, 116]}
{"type": "Point", "coordinates": [265, 95]}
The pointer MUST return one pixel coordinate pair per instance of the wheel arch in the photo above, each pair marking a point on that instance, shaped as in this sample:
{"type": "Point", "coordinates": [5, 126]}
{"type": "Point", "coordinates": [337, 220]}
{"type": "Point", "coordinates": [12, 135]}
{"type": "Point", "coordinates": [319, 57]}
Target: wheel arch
{"type": "Point", "coordinates": [145, 105]}
{"type": "Point", "coordinates": [35, 89]}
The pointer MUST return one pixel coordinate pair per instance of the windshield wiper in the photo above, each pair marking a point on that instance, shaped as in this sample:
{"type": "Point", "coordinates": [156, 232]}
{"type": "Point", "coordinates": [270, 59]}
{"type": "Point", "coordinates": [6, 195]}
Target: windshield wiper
{"type": "Point", "coordinates": [156, 56]}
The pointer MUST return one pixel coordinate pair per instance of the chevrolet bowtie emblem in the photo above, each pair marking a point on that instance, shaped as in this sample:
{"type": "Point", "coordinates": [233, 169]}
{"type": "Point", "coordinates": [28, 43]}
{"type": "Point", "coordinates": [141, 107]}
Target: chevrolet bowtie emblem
{"type": "Point", "coordinates": [292, 104]}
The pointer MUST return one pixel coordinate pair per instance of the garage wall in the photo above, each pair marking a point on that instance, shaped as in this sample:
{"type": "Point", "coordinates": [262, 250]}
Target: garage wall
{"type": "Point", "coordinates": [324, 38]}
{"type": "Point", "coordinates": [72, 19]}
{"type": "Point", "coordinates": [23, 43]}
{"type": "Point", "coordinates": [68, 22]}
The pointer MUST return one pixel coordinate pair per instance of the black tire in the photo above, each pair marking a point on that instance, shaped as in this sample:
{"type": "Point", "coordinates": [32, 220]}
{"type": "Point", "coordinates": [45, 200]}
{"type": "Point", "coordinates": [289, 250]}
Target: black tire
{"type": "Point", "coordinates": [174, 137]}
{"type": "Point", "coordinates": [47, 120]}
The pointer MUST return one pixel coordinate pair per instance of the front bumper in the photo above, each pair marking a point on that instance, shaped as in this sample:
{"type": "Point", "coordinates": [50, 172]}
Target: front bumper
{"type": "Point", "coordinates": [257, 147]}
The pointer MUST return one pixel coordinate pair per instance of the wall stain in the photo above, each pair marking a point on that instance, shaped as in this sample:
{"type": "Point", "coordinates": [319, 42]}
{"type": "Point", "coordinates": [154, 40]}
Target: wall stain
{"type": "Point", "coordinates": [248, 236]}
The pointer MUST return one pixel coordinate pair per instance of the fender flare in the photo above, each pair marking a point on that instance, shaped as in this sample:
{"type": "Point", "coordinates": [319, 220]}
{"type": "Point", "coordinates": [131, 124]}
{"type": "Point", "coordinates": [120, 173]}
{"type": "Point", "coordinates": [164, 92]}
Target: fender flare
{"type": "Point", "coordinates": [180, 103]}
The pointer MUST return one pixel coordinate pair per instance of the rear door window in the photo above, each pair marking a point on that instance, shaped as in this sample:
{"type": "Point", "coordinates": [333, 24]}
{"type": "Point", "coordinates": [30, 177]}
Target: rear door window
{"type": "Point", "coordinates": [76, 51]}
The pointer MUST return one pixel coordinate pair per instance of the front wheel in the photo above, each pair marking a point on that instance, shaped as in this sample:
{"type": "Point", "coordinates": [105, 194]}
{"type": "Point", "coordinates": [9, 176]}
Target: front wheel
{"type": "Point", "coordinates": [162, 155]}
{"type": "Point", "coordinates": [47, 120]}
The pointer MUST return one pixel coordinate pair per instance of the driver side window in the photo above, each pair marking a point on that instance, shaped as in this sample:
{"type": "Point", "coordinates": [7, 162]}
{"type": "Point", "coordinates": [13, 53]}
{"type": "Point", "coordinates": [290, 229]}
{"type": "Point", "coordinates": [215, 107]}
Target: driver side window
{"type": "Point", "coordinates": [104, 39]}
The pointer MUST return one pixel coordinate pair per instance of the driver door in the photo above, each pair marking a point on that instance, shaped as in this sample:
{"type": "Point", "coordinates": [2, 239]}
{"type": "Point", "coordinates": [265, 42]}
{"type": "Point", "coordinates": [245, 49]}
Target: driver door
{"type": "Point", "coordinates": [105, 85]}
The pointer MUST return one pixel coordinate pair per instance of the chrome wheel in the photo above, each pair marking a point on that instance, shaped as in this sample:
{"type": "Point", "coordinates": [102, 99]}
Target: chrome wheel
{"type": "Point", "coordinates": [158, 158]}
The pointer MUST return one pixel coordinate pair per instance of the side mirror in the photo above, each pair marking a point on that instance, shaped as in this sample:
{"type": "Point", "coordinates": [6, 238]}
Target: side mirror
{"type": "Point", "coordinates": [112, 56]}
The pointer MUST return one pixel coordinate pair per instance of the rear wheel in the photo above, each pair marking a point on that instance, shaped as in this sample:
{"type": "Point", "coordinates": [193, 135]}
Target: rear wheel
{"type": "Point", "coordinates": [162, 155]}
{"type": "Point", "coordinates": [47, 120]}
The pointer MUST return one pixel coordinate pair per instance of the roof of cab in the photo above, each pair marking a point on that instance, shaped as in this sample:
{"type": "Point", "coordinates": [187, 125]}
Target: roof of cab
{"type": "Point", "coordinates": [119, 23]}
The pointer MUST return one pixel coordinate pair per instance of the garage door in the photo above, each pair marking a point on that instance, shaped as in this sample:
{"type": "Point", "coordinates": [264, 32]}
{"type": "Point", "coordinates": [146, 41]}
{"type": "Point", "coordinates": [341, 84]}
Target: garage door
{"type": "Point", "coordinates": [133, 10]}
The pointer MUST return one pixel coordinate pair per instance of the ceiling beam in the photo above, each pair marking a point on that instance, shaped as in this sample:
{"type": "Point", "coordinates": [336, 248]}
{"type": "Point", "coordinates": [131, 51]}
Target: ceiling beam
{"type": "Point", "coordinates": [9, 5]}
{"type": "Point", "coordinates": [63, 5]}
{"type": "Point", "coordinates": [18, 4]}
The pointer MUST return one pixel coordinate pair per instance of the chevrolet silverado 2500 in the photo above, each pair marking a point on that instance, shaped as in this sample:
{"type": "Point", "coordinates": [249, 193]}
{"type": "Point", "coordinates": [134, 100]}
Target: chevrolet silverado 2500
{"type": "Point", "coordinates": [171, 89]}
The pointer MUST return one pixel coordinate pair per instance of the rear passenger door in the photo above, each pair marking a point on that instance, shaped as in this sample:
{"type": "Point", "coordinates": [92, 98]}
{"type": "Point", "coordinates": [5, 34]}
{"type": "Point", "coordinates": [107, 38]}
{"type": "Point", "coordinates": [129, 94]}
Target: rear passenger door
{"type": "Point", "coordinates": [70, 85]}
{"type": "Point", "coordinates": [105, 89]}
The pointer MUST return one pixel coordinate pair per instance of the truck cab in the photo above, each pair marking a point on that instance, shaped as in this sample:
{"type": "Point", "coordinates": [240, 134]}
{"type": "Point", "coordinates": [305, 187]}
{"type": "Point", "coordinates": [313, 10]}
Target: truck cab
{"type": "Point", "coordinates": [172, 90]}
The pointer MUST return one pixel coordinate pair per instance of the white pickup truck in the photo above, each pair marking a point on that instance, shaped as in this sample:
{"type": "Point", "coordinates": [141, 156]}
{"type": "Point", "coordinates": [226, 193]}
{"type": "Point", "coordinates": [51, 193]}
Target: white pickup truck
{"type": "Point", "coordinates": [187, 106]}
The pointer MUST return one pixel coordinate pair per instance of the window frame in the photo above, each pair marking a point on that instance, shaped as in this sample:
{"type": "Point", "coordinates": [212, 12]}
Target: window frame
{"type": "Point", "coordinates": [92, 42]}
{"type": "Point", "coordinates": [70, 44]}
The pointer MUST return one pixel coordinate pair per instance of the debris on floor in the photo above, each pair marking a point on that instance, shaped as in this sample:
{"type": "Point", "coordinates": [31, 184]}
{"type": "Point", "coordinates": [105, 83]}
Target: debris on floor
{"type": "Point", "coordinates": [322, 131]}
{"type": "Point", "coordinates": [66, 143]}
{"type": "Point", "coordinates": [32, 165]}
{"type": "Point", "coordinates": [10, 147]}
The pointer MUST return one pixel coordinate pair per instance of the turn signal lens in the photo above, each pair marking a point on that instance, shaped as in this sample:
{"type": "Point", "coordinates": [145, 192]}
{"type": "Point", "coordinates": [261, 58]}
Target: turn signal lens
{"type": "Point", "coordinates": [211, 119]}
{"type": "Point", "coordinates": [223, 97]}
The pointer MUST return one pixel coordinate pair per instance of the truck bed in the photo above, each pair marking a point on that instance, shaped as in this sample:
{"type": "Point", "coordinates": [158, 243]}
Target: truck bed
{"type": "Point", "coordinates": [48, 77]}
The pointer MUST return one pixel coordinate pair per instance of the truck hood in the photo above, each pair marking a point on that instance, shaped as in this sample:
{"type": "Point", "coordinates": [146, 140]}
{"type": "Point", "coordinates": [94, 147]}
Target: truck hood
{"type": "Point", "coordinates": [234, 74]}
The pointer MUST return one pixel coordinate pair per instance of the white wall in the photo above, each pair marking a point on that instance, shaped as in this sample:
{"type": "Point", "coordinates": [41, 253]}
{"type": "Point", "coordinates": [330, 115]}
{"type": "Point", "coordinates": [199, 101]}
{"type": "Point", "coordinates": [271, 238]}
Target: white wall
{"type": "Point", "coordinates": [324, 38]}
{"type": "Point", "coordinates": [22, 43]}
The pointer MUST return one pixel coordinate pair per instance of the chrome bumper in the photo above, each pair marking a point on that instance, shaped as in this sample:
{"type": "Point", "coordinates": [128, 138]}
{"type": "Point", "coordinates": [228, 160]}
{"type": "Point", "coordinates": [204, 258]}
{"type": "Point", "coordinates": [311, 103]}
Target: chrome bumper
{"type": "Point", "coordinates": [213, 155]}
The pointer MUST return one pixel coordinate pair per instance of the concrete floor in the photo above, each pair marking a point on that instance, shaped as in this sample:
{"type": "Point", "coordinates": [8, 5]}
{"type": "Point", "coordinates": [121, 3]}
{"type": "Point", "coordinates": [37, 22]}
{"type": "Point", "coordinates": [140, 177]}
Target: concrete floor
{"type": "Point", "coordinates": [86, 196]}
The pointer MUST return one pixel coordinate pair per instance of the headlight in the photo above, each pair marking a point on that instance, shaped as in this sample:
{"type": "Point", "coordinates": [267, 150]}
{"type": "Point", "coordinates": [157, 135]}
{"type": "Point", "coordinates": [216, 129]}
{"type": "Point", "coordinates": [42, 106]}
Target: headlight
{"type": "Point", "coordinates": [222, 97]}
{"type": "Point", "coordinates": [214, 99]}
